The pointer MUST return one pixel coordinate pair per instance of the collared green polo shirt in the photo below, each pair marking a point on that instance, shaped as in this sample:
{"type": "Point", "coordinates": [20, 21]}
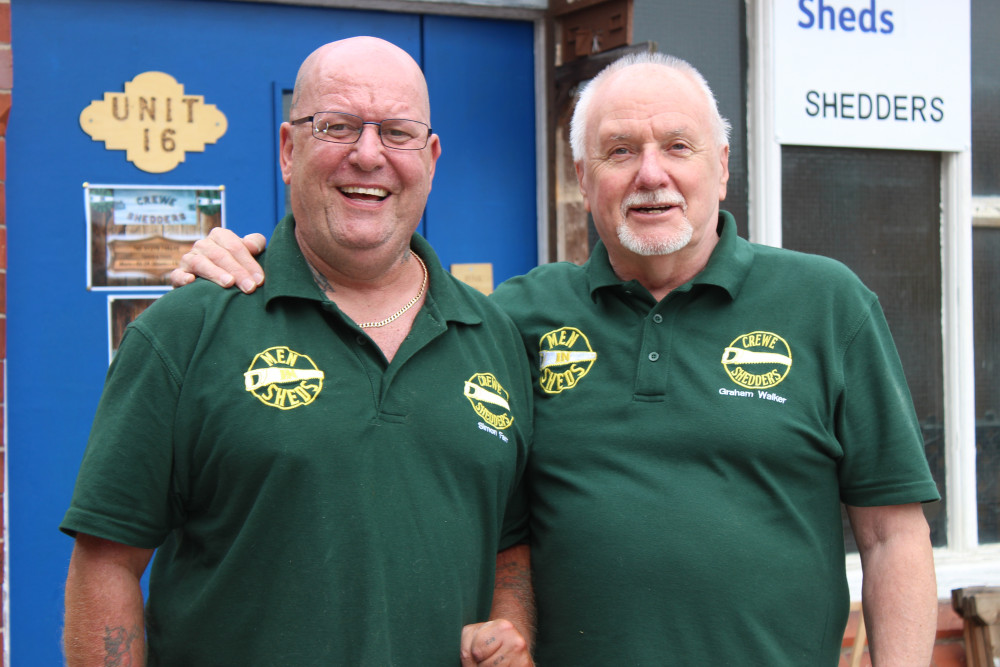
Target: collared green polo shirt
{"type": "Point", "coordinates": [691, 455]}
{"type": "Point", "coordinates": [311, 504]}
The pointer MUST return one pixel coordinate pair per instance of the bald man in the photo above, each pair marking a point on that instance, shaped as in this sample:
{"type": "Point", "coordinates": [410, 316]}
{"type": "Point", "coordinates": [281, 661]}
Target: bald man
{"type": "Point", "coordinates": [328, 470]}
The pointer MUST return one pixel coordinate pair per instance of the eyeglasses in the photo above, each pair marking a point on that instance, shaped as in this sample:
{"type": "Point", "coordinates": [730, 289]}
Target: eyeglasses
{"type": "Point", "coordinates": [345, 128]}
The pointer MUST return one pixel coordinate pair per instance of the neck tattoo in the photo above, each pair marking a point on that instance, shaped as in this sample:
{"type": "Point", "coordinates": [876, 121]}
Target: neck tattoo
{"type": "Point", "coordinates": [420, 293]}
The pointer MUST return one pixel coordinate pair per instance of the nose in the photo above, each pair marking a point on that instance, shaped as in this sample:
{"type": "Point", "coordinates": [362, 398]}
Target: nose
{"type": "Point", "coordinates": [652, 172]}
{"type": "Point", "coordinates": [368, 153]}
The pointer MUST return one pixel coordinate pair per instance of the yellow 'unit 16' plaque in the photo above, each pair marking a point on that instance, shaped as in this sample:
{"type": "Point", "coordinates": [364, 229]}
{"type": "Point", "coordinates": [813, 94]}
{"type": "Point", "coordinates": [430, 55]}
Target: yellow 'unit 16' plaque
{"type": "Point", "coordinates": [154, 122]}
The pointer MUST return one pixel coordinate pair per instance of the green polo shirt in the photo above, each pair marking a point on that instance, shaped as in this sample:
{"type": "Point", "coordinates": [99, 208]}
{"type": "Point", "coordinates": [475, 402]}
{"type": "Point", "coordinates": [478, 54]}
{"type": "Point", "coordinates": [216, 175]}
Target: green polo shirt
{"type": "Point", "coordinates": [691, 456]}
{"type": "Point", "coordinates": [311, 504]}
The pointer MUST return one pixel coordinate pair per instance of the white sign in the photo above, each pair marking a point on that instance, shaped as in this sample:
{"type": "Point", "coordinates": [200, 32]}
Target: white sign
{"type": "Point", "coordinates": [873, 73]}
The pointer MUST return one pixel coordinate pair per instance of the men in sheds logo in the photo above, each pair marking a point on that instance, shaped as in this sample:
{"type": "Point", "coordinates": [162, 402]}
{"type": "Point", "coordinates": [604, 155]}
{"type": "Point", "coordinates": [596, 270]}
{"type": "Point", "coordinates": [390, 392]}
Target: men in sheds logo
{"type": "Point", "coordinates": [283, 378]}
{"type": "Point", "coordinates": [757, 360]}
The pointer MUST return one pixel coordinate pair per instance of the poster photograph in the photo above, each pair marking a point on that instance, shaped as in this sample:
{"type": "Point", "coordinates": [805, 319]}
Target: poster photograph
{"type": "Point", "coordinates": [121, 311]}
{"type": "Point", "coordinates": [136, 235]}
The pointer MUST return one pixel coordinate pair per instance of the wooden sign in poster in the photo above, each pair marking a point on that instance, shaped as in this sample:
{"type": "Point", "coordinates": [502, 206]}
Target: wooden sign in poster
{"type": "Point", "coordinates": [136, 235]}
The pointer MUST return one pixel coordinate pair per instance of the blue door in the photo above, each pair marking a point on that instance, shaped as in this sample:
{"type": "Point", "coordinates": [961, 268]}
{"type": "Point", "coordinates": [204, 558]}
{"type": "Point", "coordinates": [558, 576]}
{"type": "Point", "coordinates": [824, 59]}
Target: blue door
{"type": "Point", "coordinates": [242, 57]}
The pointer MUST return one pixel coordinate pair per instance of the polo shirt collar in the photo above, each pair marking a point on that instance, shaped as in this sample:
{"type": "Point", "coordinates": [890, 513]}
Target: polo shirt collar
{"type": "Point", "coordinates": [288, 275]}
{"type": "Point", "coordinates": [727, 267]}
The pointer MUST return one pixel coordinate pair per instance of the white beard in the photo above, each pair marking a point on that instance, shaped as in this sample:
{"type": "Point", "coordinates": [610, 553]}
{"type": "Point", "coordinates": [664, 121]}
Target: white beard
{"type": "Point", "coordinates": [646, 247]}
{"type": "Point", "coordinates": [649, 247]}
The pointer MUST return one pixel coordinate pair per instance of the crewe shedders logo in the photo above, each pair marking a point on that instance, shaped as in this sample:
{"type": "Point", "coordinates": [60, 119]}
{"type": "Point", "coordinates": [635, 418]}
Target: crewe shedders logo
{"type": "Point", "coordinates": [490, 400]}
{"type": "Point", "coordinates": [283, 379]}
{"type": "Point", "coordinates": [757, 360]}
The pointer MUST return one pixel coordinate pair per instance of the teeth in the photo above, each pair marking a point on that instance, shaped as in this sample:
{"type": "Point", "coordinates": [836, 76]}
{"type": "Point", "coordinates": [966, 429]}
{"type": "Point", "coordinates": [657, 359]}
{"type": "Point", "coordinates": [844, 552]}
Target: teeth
{"type": "Point", "coordinates": [377, 192]}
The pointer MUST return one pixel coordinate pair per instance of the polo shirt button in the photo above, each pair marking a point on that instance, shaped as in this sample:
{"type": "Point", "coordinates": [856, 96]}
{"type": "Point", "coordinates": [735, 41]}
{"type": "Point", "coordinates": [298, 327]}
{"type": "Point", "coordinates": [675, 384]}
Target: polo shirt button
{"type": "Point", "coordinates": [361, 340]}
{"type": "Point", "coordinates": [657, 318]}
{"type": "Point", "coordinates": [653, 356]}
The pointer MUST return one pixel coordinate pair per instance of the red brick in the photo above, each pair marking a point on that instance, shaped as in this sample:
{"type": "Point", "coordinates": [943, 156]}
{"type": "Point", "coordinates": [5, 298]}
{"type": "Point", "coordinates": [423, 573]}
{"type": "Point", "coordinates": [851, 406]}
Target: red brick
{"type": "Point", "coordinates": [950, 654]}
{"type": "Point", "coordinates": [3, 159]}
{"type": "Point", "coordinates": [4, 113]}
{"type": "Point", "coordinates": [5, 23]}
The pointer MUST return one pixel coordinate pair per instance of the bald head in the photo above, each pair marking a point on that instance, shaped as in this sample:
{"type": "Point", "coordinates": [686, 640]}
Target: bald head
{"type": "Point", "coordinates": [360, 56]}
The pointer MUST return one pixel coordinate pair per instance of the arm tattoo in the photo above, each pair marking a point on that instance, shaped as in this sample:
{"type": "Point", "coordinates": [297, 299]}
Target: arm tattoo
{"type": "Point", "coordinates": [118, 645]}
{"type": "Point", "coordinates": [516, 578]}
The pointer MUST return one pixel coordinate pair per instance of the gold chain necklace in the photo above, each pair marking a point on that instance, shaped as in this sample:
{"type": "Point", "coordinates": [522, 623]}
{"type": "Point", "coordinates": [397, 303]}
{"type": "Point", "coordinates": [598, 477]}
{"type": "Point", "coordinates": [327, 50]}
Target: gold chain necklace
{"type": "Point", "coordinates": [423, 284]}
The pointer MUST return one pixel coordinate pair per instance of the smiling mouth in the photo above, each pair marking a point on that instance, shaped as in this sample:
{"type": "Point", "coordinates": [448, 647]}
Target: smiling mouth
{"type": "Point", "coordinates": [653, 210]}
{"type": "Point", "coordinates": [364, 194]}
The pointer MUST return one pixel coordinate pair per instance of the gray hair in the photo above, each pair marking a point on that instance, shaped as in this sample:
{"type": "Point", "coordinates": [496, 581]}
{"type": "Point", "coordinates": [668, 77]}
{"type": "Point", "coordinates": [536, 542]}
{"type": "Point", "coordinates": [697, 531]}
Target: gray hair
{"type": "Point", "coordinates": [578, 124]}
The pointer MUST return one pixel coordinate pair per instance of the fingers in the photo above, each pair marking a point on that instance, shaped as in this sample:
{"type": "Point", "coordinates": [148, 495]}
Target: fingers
{"type": "Point", "coordinates": [255, 243]}
{"type": "Point", "coordinates": [180, 278]}
{"type": "Point", "coordinates": [494, 643]}
{"type": "Point", "coordinates": [225, 259]}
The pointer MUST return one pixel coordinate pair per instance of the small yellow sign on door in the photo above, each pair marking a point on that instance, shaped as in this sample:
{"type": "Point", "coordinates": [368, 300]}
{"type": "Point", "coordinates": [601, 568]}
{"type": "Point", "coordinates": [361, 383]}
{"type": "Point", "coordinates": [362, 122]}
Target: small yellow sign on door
{"type": "Point", "coordinates": [479, 276]}
{"type": "Point", "coordinates": [154, 121]}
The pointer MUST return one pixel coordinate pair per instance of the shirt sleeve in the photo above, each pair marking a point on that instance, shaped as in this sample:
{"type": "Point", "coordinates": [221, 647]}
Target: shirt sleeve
{"type": "Point", "coordinates": [123, 489]}
{"type": "Point", "coordinates": [884, 461]}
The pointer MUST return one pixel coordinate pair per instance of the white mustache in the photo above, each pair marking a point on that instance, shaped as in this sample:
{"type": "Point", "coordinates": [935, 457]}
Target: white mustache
{"type": "Point", "coordinates": [652, 198]}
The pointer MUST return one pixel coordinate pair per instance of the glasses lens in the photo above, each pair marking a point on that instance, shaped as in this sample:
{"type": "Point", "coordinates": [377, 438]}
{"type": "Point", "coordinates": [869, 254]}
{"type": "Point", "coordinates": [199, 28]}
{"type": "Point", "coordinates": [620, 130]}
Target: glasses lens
{"type": "Point", "coordinates": [341, 128]}
{"type": "Point", "coordinates": [345, 128]}
{"type": "Point", "coordinates": [402, 133]}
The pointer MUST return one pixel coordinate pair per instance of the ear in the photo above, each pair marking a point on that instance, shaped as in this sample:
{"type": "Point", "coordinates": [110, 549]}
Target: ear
{"type": "Point", "coordinates": [435, 148]}
{"type": "Point", "coordinates": [583, 188]}
{"type": "Point", "coordinates": [285, 152]}
{"type": "Point", "coordinates": [724, 171]}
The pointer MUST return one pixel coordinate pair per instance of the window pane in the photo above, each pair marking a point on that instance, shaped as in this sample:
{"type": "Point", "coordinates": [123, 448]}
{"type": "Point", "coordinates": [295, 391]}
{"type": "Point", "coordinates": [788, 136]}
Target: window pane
{"type": "Point", "coordinates": [879, 212]}
{"type": "Point", "coordinates": [986, 278]}
{"type": "Point", "coordinates": [986, 263]}
{"type": "Point", "coordinates": [985, 16]}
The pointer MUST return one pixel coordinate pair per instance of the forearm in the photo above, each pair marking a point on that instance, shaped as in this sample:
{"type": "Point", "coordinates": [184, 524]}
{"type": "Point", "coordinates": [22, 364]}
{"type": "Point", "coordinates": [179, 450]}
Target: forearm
{"type": "Point", "coordinates": [513, 597]}
{"type": "Point", "coordinates": [508, 636]}
{"type": "Point", "coordinates": [104, 613]}
{"type": "Point", "coordinates": [899, 597]}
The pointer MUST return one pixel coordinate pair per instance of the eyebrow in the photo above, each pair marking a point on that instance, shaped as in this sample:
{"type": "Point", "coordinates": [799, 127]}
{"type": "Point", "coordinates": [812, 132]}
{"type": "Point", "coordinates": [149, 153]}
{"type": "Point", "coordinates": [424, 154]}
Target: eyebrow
{"type": "Point", "coordinates": [679, 133]}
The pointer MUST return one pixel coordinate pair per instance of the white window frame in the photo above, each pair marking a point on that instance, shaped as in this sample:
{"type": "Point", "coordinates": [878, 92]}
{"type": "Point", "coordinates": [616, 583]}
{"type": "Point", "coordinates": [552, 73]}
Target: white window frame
{"type": "Point", "coordinates": [963, 562]}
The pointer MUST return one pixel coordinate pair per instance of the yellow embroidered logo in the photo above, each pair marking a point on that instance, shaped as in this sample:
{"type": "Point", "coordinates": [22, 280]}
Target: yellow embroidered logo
{"type": "Point", "coordinates": [490, 401]}
{"type": "Point", "coordinates": [757, 360]}
{"type": "Point", "coordinates": [283, 379]}
{"type": "Point", "coordinates": [564, 357]}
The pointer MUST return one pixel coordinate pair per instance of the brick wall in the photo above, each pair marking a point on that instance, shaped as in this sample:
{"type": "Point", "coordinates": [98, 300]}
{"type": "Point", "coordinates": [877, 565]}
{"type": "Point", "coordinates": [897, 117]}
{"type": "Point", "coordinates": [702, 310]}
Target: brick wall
{"type": "Point", "coordinates": [6, 86]}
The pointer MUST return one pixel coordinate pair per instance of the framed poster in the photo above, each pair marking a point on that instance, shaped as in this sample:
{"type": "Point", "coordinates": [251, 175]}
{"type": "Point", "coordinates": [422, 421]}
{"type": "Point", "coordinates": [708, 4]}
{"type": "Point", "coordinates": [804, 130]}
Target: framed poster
{"type": "Point", "coordinates": [136, 234]}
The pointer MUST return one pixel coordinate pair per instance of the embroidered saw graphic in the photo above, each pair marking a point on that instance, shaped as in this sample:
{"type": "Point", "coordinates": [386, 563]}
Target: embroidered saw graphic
{"type": "Point", "coordinates": [283, 379]}
{"type": "Point", "coordinates": [757, 360]}
{"type": "Point", "coordinates": [564, 357]}
{"type": "Point", "coordinates": [489, 399]}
